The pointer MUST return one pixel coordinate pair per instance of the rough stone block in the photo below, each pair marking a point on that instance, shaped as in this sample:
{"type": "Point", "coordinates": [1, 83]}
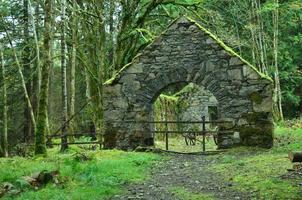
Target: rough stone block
{"type": "Point", "coordinates": [234, 74]}
{"type": "Point", "coordinates": [135, 68]}
{"type": "Point", "coordinates": [249, 73]}
{"type": "Point", "coordinates": [235, 61]}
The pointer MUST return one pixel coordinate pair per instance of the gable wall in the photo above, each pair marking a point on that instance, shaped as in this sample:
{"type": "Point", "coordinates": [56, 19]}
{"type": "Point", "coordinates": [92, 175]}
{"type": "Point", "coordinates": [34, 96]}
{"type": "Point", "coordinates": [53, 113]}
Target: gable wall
{"type": "Point", "coordinates": [186, 54]}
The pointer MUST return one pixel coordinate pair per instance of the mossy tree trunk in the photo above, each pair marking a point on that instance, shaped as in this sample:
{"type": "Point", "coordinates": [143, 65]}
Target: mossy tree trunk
{"type": "Point", "coordinates": [27, 71]}
{"type": "Point", "coordinates": [278, 94]}
{"type": "Point", "coordinates": [3, 136]}
{"type": "Point", "coordinates": [74, 27]}
{"type": "Point", "coordinates": [98, 98]}
{"type": "Point", "coordinates": [64, 142]}
{"type": "Point", "coordinates": [41, 127]}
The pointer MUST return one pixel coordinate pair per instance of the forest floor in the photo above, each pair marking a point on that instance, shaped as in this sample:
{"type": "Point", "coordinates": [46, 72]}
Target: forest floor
{"type": "Point", "coordinates": [239, 173]}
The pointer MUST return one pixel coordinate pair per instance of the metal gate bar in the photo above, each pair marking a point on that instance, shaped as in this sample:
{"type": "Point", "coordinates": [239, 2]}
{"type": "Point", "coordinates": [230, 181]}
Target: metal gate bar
{"type": "Point", "coordinates": [203, 132]}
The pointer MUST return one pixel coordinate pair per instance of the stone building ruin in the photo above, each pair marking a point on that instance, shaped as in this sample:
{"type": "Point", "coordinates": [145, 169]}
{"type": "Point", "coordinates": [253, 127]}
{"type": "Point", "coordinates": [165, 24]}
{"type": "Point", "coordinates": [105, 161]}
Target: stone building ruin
{"type": "Point", "coordinates": [188, 53]}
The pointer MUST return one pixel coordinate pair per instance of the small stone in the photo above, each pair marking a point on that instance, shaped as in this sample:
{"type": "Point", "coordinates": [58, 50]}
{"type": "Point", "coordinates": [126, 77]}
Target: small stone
{"type": "Point", "coordinates": [235, 61]}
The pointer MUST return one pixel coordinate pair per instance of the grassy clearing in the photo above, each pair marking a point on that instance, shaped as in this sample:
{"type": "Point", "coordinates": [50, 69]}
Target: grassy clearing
{"type": "Point", "coordinates": [98, 178]}
{"type": "Point", "coordinates": [183, 194]}
{"type": "Point", "coordinates": [178, 144]}
{"type": "Point", "coordinates": [260, 171]}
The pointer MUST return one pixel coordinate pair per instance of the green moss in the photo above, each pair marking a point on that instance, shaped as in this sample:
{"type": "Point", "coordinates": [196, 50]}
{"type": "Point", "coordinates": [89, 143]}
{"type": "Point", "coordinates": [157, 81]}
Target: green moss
{"type": "Point", "coordinates": [116, 76]}
{"type": "Point", "coordinates": [169, 98]}
{"type": "Point", "coordinates": [259, 132]}
{"type": "Point", "coordinates": [256, 136]}
{"type": "Point", "coordinates": [256, 97]}
{"type": "Point", "coordinates": [256, 117]}
{"type": "Point", "coordinates": [228, 49]}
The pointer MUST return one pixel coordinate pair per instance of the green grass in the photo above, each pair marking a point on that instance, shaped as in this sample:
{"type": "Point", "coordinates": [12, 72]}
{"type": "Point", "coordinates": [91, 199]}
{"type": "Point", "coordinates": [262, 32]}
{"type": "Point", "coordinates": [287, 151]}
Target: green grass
{"type": "Point", "coordinates": [98, 178]}
{"type": "Point", "coordinates": [260, 170]}
{"type": "Point", "coordinates": [183, 194]}
{"type": "Point", "coordinates": [178, 144]}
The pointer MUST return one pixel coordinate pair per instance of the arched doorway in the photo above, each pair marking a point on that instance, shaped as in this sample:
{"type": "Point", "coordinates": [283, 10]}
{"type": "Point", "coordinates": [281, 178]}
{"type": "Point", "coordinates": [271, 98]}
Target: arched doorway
{"type": "Point", "coordinates": [184, 106]}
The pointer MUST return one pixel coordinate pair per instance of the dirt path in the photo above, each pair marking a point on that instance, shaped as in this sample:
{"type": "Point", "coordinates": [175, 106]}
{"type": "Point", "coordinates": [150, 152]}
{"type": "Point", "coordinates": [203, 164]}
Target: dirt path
{"type": "Point", "coordinates": [186, 171]}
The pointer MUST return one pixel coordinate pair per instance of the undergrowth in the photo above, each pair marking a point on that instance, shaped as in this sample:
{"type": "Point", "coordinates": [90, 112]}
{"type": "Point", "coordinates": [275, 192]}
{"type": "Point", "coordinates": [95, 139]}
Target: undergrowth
{"type": "Point", "coordinates": [98, 175]}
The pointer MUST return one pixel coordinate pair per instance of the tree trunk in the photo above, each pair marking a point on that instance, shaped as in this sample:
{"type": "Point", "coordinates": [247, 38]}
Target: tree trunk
{"type": "Point", "coordinates": [51, 107]}
{"type": "Point", "coordinates": [41, 129]}
{"type": "Point", "coordinates": [99, 100]}
{"type": "Point", "coordinates": [73, 65]}
{"type": "Point", "coordinates": [64, 144]}
{"type": "Point", "coordinates": [36, 78]}
{"type": "Point", "coordinates": [3, 137]}
{"type": "Point", "coordinates": [23, 82]}
{"type": "Point", "coordinates": [278, 94]}
{"type": "Point", "coordinates": [260, 37]}
{"type": "Point", "coordinates": [27, 72]}
{"type": "Point", "coordinates": [111, 40]}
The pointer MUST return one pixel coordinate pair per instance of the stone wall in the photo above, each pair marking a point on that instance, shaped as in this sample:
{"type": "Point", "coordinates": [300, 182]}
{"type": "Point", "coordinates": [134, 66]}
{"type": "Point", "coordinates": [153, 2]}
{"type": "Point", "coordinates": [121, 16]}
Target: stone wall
{"type": "Point", "coordinates": [194, 103]}
{"type": "Point", "coordinates": [187, 53]}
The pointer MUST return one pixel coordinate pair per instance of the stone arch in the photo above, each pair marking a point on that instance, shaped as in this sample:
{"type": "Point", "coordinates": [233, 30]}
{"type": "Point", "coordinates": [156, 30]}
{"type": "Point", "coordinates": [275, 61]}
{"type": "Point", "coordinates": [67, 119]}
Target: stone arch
{"type": "Point", "coordinates": [187, 53]}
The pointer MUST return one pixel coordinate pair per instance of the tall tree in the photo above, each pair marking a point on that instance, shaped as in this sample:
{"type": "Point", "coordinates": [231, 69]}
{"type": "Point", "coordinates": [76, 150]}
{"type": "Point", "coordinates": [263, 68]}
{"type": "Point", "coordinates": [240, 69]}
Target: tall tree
{"type": "Point", "coordinates": [41, 130]}
{"type": "Point", "coordinates": [278, 94]}
{"type": "Point", "coordinates": [64, 144]}
{"type": "Point", "coordinates": [27, 71]}
{"type": "Point", "coordinates": [74, 28]}
{"type": "Point", "coordinates": [3, 136]}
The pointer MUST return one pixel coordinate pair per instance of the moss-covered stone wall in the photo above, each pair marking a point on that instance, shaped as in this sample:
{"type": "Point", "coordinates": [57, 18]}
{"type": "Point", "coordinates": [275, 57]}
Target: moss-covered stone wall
{"type": "Point", "coordinates": [186, 53]}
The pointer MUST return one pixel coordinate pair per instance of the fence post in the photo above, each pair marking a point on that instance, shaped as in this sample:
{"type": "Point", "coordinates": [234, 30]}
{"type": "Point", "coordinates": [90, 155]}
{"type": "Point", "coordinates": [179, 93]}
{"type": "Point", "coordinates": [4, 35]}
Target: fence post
{"type": "Point", "coordinates": [203, 118]}
{"type": "Point", "coordinates": [167, 136]}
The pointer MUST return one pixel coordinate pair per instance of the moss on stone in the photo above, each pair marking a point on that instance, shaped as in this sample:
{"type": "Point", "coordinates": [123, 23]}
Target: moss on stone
{"type": "Point", "coordinates": [256, 117]}
{"type": "Point", "coordinates": [256, 97]}
{"type": "Point", "coordinates": [116, 76]}
{"type": "Point", "coordinates": [229, 49]}
{"type": "Point", "coordinates": [169, 98]}
{"type": "Point", "coordinates": [259, 132]}
{"type": "Point", "coordinates": [259, 135]}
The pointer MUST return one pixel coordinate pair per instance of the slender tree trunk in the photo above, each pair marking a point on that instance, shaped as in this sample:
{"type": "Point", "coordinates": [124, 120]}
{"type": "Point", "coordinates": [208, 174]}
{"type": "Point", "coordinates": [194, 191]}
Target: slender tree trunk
{"type": "Point", "coordinates": [260, 37]}
{"type": "Point", "coordinates": [3, 137]}
{"type": "Point", "coordinates": [253, 49]}
{"type": "Point", "coordinates": [111, 40]}
{"type": "Point", "coordinates": [36, 78]}
{"type": "Point", "coordinates": [41, 129]}
{"type": "Point", "coordinates": [22, 78]}
{"type": "Point", "coordinates": [51, 77]}
{"type": "Point", "coordinates": [35, 26]}
{"type": "Point", "coordinates": [278, 94]}
{"type": "Point", "coordinates": [64, 144]}
{"type": "Point", "coordinates": [73, 64]}
{"type": "Point", "coordinates": [27, 72]}
{"type": "Point", "coordinates": [99, 99]}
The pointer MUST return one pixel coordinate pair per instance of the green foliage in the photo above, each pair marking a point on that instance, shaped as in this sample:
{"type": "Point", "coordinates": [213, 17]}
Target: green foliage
{"type": "Point", "coordinates": [98, 177]}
